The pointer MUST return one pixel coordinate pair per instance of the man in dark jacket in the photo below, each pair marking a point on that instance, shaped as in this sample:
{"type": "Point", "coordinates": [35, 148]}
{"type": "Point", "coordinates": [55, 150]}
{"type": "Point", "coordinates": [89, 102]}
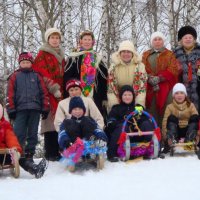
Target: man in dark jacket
{"type": "Point", "coordinates": [27, 98]}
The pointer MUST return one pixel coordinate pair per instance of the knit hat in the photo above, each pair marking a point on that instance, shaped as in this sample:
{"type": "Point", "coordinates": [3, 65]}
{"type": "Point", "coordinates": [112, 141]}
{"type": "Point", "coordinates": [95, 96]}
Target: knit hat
{"type": "Point", "coordinates": [25, 56]}
{"type": "Point", "coordinates": [125, 88]}
{"type": "Point", "coordinates": [1, 111]}
{"type": "Point", "coordinates": [126, 46]}
{"type": "Point", "coordinates": [73, 83]}
{"type": "Point", "coordinates": [179, 87]}
{"type": "Point", "coordinates": [76, 102]}
{"type": "Point", "coordinates": [187, 30]}
{"type": "Point", "coordinates": [51, 31]}
{"type": "Point", "coordinates": [157, 34]}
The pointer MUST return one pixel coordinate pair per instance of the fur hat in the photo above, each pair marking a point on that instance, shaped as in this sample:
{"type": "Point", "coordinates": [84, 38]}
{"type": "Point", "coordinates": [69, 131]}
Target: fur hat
{"type": "Point", "coordinates": [179, 87]}
{"type": "Point", "coordinates": [73, 83]}
{"type": "Point", "coordinates": [125, 88]}
{"type": "Point", "coordinates": [157, 34]}
{"type": "Point", "coordinates": [187, 30]}
{"type": "Point", "coordinates": [126, 46]}
{"type": "Point", "coordinates": [1, 111]}
{"type": "Point", "coordinates": [25, 56]}
{"type": "Point", "coordinates": [76, 102]}
{"type": "Point", "coordinates": [51, 31]}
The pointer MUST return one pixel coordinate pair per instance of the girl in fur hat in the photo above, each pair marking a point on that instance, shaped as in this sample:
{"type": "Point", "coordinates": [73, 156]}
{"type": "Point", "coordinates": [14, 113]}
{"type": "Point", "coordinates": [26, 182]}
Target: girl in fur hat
{"type": "Point", "coordinates": [86, 65]}
{"type": "Point", "coordinates": [180, 118]}
{"type": "Point", "coordinates": [126, 69]}
{"type": "Point", "coordinates": [162, 69]}
{"type": "Point", "coordinates": [50, 63]}
{"type": "Point", "coordinates": [188, 56]}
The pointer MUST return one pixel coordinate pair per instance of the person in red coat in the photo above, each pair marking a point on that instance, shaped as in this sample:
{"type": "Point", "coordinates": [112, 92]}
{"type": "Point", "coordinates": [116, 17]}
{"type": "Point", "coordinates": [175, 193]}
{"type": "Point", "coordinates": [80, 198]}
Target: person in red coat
{"type": "Point", "coordinates": [8, 140]}
{"type": "Point", "coordinates": [162, 69]}
{"type": "Point", "coordinates": [50, 63]}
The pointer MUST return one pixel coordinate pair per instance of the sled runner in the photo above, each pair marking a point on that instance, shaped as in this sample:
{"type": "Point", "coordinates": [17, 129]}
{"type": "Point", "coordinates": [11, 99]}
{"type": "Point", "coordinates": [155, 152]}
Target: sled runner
{"type": "Point", "coordinates": [92, 151]}
{"type": "Point", "coordinates": [9, 160]}
{"type": "Point", "coordinates": [185, 147]}
{"type": "Point", "coordinates": [130, 148]}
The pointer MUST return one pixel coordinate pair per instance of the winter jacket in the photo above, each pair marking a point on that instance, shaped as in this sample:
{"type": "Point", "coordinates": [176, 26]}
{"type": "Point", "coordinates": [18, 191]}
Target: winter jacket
{"type": "Point", "coordinates": [133, 74]}
{"type": "Point", "coordinates": [168, 69]}
{"type": "Point", "coordinates": [182, 111]}
{"type": "Point", "coordinates": [50, 64]}
{"type": "Point", "coordinates": [7, 136]}
{"type": "Point", "coordinates": [62, 112]}
{"type": "Point", "coordinates": [26, 90]}
{"type": "Point", "coordinates": [73, 70]}
{"type": "Point", "coordinates": [83, 127]}
{"type": "Point", "coordinates": [188, 66]}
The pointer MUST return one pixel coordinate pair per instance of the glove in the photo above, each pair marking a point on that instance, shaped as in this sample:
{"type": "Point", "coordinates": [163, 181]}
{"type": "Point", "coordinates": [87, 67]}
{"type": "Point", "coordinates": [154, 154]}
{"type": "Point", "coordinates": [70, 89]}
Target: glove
{"type": "Point", "coordinates": [44, 115]}
{"type": "Point", "coordinates": [111, 125]}
{"type": "Point", "coordinates": [100, 135]}
{"type": "Point", "coordinates": [12, 115]}
{"type": "Point", "coordinates": [153, 80]}
{"type": "Point", "coordinates": [156, 88]}
{"type": "Point", "coordinates": [139, 108]}
{"type": "Point", "coordinates": [57, 94]}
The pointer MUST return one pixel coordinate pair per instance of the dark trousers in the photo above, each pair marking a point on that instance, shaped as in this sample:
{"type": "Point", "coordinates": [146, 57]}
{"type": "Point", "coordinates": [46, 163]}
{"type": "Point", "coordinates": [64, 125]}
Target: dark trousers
{"type": "Point", "coordinates": [7, 160]}
{"type": "Point", "coordinates": [145, 125]}
{"type": "Point", "coordinates": [26, 129]}
{"type": "Point", "coordinates": [51, 146]}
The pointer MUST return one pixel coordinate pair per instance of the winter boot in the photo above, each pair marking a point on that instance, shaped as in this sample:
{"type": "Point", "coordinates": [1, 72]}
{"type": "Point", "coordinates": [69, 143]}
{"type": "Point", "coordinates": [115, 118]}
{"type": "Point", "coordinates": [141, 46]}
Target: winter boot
{"type": "Point", "coordinates": [172, 128]}
{"type": "Point", "coordinates": [191, 132]}
{"type": "Point", "coordinates": [34, 169]}
{"type": "Point", "coordinates": [192, 128]}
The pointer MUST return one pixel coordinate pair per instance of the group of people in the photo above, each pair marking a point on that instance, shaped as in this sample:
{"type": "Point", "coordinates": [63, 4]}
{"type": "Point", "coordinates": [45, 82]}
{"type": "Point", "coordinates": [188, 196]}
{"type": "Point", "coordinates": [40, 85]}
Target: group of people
{"type": "Point", "coordinates": [81, 97]}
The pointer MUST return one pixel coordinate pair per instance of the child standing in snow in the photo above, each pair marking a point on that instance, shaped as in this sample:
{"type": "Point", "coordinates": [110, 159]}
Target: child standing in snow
{"type": "Point", "coordinates": [180, 118]}
{"type": "Point", "coordinates": [9, 140]}
{"type": "Point", "coordinates": [79, 126]}
{"type": "Point", "coordinates": [27, 98]}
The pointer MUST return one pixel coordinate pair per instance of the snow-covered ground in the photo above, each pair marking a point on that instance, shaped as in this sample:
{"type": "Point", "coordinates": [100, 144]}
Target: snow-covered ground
{"type": "Point", "coordinates": [170, 178]}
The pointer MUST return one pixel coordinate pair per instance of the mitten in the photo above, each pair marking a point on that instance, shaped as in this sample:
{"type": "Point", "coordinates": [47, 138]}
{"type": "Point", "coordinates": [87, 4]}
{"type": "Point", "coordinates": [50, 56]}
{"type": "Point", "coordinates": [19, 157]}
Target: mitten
{"type": "Point", "coordinates": [156, 88]}
{"type": "Point", "coordinates": [153, 80]}
{"type": "Point", "coordinates": [57, 94]}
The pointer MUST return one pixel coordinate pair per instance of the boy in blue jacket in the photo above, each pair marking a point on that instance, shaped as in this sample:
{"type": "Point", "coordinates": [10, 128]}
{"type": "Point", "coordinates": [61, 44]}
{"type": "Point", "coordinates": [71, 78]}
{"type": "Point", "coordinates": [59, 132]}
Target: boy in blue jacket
{"type": "Point", "coordinates": [27, 98]}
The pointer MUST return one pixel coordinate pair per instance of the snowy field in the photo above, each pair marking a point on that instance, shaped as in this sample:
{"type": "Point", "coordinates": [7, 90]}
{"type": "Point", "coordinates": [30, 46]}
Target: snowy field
{"type": "Point", "coordinates": [161, 179]}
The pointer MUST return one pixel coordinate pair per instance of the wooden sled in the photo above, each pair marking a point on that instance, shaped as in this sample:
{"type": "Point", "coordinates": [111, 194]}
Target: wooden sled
{"type": "Point", "coordinates": [14, 165]}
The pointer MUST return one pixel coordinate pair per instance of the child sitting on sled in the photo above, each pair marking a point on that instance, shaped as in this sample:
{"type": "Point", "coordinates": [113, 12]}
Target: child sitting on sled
{"type": "Point", "coordinates": [79, 128]}
{"type": "Point", "coordinates": [180, 119]}
{"type": "Point", "coordinates": [10, 141]}
{"type": "Point", "coordinates": [116, 118]}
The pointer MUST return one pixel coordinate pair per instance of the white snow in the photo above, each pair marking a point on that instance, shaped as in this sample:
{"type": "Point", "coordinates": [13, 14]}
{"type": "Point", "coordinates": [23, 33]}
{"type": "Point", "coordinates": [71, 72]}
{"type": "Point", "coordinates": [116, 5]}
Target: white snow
{"type": "Point", "coordinates": [171, 178]}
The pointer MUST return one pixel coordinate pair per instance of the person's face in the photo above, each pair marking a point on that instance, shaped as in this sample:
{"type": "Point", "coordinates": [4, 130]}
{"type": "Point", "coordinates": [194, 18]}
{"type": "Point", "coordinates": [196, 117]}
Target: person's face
{"type": "Point", "coordinates": [74, 92]}
{"type": "Point", "coordinates": [77, 112]}
{"type": "Point", "coordinates": [126, 56]}
{"type": "Point", "coordinates": [157, 43]}
{"type": "Point", "coordinates": [54, 40]}
{"type": "Point", "coordinates": [179, 97]}
{"type": "Point", "coordinates": [25, 64]}
{"type": "Point", "coordinates": [188, 41]}
{"type": "Point", "coordinates": [127, 97]}
{"type": "Point", "coordinates": [86, 42]}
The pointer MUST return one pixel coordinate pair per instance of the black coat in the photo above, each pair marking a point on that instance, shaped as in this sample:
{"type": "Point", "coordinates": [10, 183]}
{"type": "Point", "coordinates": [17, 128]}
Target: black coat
{"type": "Point", "coordinates": [100, 90]}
